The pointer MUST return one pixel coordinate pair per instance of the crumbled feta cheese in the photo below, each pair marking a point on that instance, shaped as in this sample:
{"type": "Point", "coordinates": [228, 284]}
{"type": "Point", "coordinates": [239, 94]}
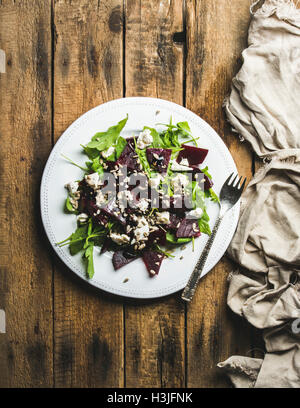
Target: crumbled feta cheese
{"type": "Point", "coordinates": [93, 180]}
{"type": "Point", "coordinates": [72, 187]}
{"type": "Point", "coordinates": [179, 167]}
{"type": "Point", "coordinates": [124, 194]}
{"type": "Point", "coordinates": [142, 204]}
{"type": "Point", "coordinates": [145, 139]}
{"type": "Point", "coordinates": [142, 230]}
{"type": "Point", "coordinates": [163, 217]}
{"type": "Point", "coordinates": [184, 162]}
{"type": "Point", "coordinates": [108, 152]}
{"type": "Point", "coordinates": [155, 181]}
{"type": "Point", "coordinates": [197, 213]}
{"type": "Point", "coordinates": [179, 181]}
{"type": "Point", "coordinates": [74, 202]}
{"type": "Point", "coordinates": [124, 197]}
{"type": "Point", "coordinates": [119, 239]}
{"type": "Point", "coordinates": [82, 218]}
{"type": "Point", "coordinates": [100, 199]}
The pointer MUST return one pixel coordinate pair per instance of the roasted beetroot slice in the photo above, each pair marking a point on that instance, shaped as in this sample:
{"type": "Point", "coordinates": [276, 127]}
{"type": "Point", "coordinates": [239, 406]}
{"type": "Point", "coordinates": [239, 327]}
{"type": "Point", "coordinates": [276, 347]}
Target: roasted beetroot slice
{"type": "Point", "coordinates": [208, 183]}
{"type": "Point", "coordinates": [159, 158]}
{"type": "Point", "coordinates": [188, 228]}
{"type": "Point", "coordinates": [130, 141]}
{"type": "Point", "coordinates": [120, 259]}
{"type": "Point", "coordinates": [153, 261]}
{"type": "Point", "coordinates": [181, 203]}
{"type": "Point", "coordinates": [159, 236]}
{"type": "Point", "coordinates": [105, 246]}
{"type": "Point", "coordinates": [128, 157]}
{"type": "Point", "coordinates": [91, 209]}
{"type": "Point", "coordinates": [82, 207]}
{"type": "Point", "coordinates": [112, 210]}
{"type": "Point", "coordinates": [174, 221]}
{"type": "Point", "coordinates": [194, 155]}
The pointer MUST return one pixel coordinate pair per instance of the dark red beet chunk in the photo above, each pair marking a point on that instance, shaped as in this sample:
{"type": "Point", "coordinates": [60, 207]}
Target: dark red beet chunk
{"type": "Point", "coordinates": [91, 209]}
{"type": "Point", "coordinates": [188, 228]}
{"type": "Point", "coordinates": [112, 210]}
{"type": "Point", "coordinates": [208, 183]}
{"type": "Point", "coordinates": [105, 246]}
{"type": "Point", "coordinates": [158, 235]}
{"type": "Point", "coordinates": [174, 221]}
{"type": "Point", "coordinates": [128, 157]}
{"type": "Point", "coordinates": [159, 158]}
{"type": "Point", "coordinates": [194, 155]}
{"type": "Point", "coordinates": [153, 261]}
{"type": "Point", "coordinates": [122, 258]}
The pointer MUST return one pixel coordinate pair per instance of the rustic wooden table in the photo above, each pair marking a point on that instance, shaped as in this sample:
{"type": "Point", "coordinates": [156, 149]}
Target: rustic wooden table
{"type": "Point", "coordinates": [63, 57]}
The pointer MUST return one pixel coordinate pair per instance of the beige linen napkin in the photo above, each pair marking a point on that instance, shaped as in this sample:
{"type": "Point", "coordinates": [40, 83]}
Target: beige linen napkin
{"type": "Point", "coordinates": [264, 108]}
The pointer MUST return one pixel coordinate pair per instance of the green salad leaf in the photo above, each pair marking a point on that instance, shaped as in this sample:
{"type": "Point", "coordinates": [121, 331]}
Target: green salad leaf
{"type": "Point", "coordinates": [212, 195]}
{"type": "Point", "coordinates": [103, 140]}
{"type": "Point", "coordinates": [88, 256]}
{"type": "Point", "coordinates": [84, 238]}
{"type": "Point", "coordinates": [95, 165]}
{"type": "Point", "coordinates": [143, 158]}
{"type": "Point", "coordinates": [69, 209]}
{"type": "Point", "coordinates": [176, 241]}
{"type": "Point", "coordinates": [204, 223]}
{"type": "Point", "coordinates": [121, 143]}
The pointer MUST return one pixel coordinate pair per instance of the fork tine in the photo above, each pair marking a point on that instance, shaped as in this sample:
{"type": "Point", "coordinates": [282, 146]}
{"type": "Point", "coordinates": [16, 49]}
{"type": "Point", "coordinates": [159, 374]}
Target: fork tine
{"type": "Point", "coordinates": [234, 180]}
{"type": "Point", "coordinates": [227, 181]}
{"type": "Point", "coordinates": [243, 185]}
{"type": "Point", "coordinates": [238, 182]}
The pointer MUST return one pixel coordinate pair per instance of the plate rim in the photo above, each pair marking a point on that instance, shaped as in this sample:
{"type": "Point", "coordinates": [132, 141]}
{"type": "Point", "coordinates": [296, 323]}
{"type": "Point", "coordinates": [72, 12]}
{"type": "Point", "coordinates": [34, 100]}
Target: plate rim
{"type": "Point", "coordinates": [100, 109]}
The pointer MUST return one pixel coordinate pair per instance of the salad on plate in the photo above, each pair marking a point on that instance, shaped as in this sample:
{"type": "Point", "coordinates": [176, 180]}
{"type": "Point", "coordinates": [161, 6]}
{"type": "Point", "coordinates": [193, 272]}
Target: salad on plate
{"type": "Point", "coordinates": [139, 196]}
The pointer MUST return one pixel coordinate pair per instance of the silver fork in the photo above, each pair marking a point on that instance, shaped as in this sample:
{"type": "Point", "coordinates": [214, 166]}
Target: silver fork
{"type": "Point", "coordinates": [229, 196]}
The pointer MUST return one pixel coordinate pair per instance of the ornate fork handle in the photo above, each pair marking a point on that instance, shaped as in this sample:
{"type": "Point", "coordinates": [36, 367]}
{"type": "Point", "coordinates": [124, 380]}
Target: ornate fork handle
{"type": "Point", "coordinates": [190, 288]}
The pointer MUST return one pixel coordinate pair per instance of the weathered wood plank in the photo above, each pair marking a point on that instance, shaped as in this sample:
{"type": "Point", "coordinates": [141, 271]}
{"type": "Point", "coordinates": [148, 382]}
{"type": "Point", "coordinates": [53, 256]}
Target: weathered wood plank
{"type": "Point", "coordinates": [88, 326]}
{"type": "Point", "coordinates": [216, 35]}
{"type": "Point", "coordinates": [154, 67]}
{"type": "Point", "coordinates": [25, 131]}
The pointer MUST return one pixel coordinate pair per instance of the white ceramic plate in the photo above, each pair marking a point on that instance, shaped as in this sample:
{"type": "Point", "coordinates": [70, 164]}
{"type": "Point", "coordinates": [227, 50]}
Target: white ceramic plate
{"type": "Point", "coordinates": [174, 273]}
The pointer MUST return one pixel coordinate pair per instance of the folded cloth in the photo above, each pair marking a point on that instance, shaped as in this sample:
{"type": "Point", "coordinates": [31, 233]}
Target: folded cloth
{"type": "Point", "coordinates": [264, 109]}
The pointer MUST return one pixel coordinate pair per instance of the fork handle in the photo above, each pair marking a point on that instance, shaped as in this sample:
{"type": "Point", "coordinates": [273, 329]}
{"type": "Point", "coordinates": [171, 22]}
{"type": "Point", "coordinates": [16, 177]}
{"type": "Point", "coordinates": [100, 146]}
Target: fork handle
{"type": "Point", "coordinates": [191, 286]}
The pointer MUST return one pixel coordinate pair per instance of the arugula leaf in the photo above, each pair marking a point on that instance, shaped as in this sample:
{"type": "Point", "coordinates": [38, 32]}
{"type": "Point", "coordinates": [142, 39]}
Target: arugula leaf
{"type": "Point", "coordinates": [75, 164]}
{"type": "Point", "coordinates": [173, 132]}
{"type": "Point", "coordinates": [158, 142]}
{"type": "Point", "coordinates": [212, 195]}
{"type": "Point", "coordinates": [121, 143]}
{"type": "Point", "coordinates": [198, 196]}
{"type": "Point", "coordinates": [88, 255]}
{"type": "Point", "coordinates": [69, 209]}
{"type": "Point", "coordinates": [184, 126]}
{"type": "Point", "coordinates": [95, 165]}
{"type": "Point", "coordinates": [143, 159]}
{"type": "Point", "coordinates": [203, 223]}
{"type": "Point", "coordinates": [77, 239]}
{"type": "Point", "coordinates": [176, 241]}
{"type": "Point", "coordinates": [205, 171]}
{"type": "Point", "coordinates": [103, 140]}
{"type": "Point", "coordinates": [160, 250]}
{"type": "Point", "coordinates": [91, 153]}
{"type": "Point", "coordinates": [84, 238]}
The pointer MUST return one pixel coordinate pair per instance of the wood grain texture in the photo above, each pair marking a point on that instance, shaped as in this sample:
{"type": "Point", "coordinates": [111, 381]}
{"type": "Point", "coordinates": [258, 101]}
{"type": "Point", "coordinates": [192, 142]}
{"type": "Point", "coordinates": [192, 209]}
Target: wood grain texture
{"type": "Point", "coordinates": [88, 326]}
{"type": "Point", "coordinates": [25, 132]}
{"type": "Point", "coordinates": [66, 57]}
{"type": "Point", "coordinates": [216, 35]}
{"type": "Point", "coordinates": [154, 331]}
